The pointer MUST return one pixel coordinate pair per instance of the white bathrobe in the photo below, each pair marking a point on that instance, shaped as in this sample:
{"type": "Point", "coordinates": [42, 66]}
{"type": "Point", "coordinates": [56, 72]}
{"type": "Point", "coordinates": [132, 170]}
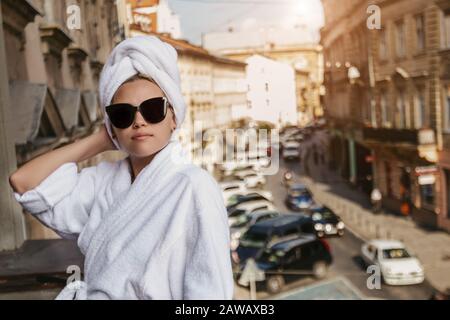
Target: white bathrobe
{"type": "Point", "coordinates": [164, 236]}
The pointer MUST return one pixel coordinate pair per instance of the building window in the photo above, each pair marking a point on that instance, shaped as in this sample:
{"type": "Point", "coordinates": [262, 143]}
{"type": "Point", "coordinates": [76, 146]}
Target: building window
{"type": "Point", "coordinates": [373, 113]}
{"type": "Point", "coordinates": [400, 109]}
{"type": "Point", "coordinates": [446, 29]}
{"type": "Point", "coordinates": [384, 110]}
{"type": "Point", "coordinates": [400, 39]}
{"type": "Point", "coordinates": [383, 45]}
{"type": "Point", "coordinates": [420, 33]}
{"type": "Point", "coordinates": [419, 108]}
{"type": "Point", "coordinates": [427, 193]}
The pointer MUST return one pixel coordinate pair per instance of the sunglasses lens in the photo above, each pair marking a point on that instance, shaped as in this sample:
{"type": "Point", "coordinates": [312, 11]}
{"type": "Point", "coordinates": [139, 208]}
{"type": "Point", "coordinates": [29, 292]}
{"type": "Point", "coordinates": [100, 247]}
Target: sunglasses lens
{"type": "Point", "coordinates": [154, 110]}
{"type": "Point", "coordinates": [121, 115]}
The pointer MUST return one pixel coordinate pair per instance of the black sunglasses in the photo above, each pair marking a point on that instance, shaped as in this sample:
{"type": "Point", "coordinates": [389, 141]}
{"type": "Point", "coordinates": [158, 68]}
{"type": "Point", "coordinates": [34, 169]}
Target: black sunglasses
{"type": "Point", "coordinates": [122, 115]}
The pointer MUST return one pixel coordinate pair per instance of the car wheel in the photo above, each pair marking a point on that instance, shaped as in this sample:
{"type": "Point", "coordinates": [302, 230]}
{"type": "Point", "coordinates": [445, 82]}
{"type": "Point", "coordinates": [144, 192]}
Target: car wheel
{"type": "Point", "coordinates": [274, 284]}
{"type": "Point", "coordinates": [320, 270]}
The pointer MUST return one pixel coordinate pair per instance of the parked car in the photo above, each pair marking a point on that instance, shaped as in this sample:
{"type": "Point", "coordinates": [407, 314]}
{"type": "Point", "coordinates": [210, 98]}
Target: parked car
{"type": "Point", "coordinates": [397, 265]}
{"type": "Point", "coordinates": [235, 214]}
{"type": "Point", "coordinates": [251, 178]}
{"type": "Point", "coordinates": [259, 158]}
{"type": "Point", "coordinates": [251, 195]}
{"type": "Point", "coordinates": [291, 151]}
{"type": "Point", "coordinates": [231, 187]}
{"type": "Point", "coordinates": [233, 166]}
{"type": "Point", "coordinates": [326, 222]}
{"type": "Point", "coordinates": [245, 221]}
{"type": "Point", "coordinates": [261, 234]}
{"type": "Point", "coordinates": [304, 254]}
{"type": "Point", "coordinates": [298, 197]}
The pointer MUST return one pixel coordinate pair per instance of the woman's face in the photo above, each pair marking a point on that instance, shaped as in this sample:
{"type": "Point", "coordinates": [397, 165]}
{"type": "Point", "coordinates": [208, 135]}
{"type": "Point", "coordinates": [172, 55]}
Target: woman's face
{"type": "Point", "coordinates": [135, 92]}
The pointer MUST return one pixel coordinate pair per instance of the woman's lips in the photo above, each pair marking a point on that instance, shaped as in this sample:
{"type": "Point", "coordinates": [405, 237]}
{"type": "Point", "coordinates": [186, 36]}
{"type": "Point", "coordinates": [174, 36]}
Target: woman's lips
{"type": "Point", "coordinates": [141, 137]}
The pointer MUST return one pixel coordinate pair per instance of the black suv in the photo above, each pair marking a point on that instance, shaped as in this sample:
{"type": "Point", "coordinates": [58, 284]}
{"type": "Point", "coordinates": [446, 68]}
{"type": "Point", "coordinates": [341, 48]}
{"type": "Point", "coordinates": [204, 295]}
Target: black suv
{"type": "Point", "coordinates": [326, 222]}
{"type": "Point", "coordinates": [286, 260]}
{"type": "Point", "coordinates": [261, 234]}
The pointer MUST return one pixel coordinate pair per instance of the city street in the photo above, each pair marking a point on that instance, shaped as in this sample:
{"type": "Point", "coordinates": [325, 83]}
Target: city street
{"type": "Point", "coordinates": [345, 250]}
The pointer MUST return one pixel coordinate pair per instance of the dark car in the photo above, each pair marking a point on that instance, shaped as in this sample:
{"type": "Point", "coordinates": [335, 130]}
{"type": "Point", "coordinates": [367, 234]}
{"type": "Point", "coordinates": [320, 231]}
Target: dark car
{"type": "Point", "coordinates": [326, 222]}
{"type": "Point", "coordinates": [298, 197]}
{"type": "Point", "coordinates": [238, 199]}
{"type": "Point", "coordinates": [261, 234]}
{"type": "Point", "coordinates": [286, 260]}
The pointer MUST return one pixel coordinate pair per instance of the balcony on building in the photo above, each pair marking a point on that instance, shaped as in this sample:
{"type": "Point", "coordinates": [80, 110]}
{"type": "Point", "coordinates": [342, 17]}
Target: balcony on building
{"type": "Point", "coordinates": [422, 140]}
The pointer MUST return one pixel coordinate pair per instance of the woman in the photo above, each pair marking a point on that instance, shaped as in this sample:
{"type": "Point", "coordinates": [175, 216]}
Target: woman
{"type": "Point", "coordinates": [153, 225]}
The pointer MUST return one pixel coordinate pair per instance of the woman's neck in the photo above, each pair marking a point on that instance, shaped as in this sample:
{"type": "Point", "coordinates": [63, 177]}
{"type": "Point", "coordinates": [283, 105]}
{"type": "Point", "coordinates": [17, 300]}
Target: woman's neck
{"type": "Point", "coordinates": [137, 164]}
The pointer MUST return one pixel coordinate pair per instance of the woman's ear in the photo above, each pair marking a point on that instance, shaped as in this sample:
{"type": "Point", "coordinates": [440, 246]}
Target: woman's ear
{"type": "Point", "coordinates": [174, 120]}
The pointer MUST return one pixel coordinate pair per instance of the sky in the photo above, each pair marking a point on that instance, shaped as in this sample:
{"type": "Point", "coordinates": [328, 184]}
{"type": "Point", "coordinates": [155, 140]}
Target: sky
{"type": "Point", "coordinates": [203, 16]}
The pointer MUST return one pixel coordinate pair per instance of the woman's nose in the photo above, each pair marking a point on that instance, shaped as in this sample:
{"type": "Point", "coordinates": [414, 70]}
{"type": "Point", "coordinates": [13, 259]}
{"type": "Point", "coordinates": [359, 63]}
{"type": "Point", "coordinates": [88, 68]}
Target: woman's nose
{"type": "Point", "coordinates": [139, 120]}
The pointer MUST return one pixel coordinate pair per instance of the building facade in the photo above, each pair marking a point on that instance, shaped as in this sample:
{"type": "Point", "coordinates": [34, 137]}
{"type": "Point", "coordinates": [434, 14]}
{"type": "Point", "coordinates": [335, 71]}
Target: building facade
{"type": "Point", "coordinates": [294, 47]}
{"type": "Point", "coordinates": [271, 91]}
{"type": "Point", "coordinates": [385, 95]}
{"type": "Point", "coordinates": [54, 52]}
{"type": "Point", "coordinates": [143, 16]}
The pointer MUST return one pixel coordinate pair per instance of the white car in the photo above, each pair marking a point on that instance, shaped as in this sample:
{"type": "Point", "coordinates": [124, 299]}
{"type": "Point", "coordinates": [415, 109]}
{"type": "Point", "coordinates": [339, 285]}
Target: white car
{"type": "Point", "coordinates": [232, 167]}
{"type": "Point", "coordinates": [233, 193]}
{"type": "Point", "coordinates": [397, 265]}
{"type": "Point", "coordinates": [291, 150]}
{"type": "Point", "coordinates": [235, 196]}
{"type": "Point", "coordinates": [252, 179]}
{"type": "Point", "coordinates": [259, 158]}
{"type": "Point", "coordinates": [246, 208]}
{"type": "Point", "coordinates": [230, 188]}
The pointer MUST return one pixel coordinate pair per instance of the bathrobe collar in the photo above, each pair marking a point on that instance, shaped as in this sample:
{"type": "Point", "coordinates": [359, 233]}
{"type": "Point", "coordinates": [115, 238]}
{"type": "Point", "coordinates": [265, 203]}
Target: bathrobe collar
{"type": "Point", "coordinates": [170, 160]}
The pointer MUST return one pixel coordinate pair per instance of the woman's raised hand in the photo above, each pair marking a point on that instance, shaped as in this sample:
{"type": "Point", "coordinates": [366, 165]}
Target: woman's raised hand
{"type": "Point", "coordinates": [32, 173]}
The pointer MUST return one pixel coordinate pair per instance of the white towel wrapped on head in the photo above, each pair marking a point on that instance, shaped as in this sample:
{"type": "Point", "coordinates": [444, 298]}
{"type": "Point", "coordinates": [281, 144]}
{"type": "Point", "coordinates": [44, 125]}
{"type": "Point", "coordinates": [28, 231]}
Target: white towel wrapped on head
{"type": "Point", "coordinates": [150, 57]}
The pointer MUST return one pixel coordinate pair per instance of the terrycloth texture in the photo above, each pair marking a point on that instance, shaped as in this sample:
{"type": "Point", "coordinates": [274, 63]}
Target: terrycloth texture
{"type": "Point", "coordinates": [164, 236]}
{"type": "Point", "coordinates": [149, 56]}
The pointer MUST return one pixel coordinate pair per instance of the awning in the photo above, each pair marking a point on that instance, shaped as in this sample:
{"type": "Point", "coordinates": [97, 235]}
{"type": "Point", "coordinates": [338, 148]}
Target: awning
{"type": "Point", "coordinates": [27, 104]}
{"type": "Point", "coordinates": [91, 102]}
{"type": "Point", "coordinates": [68, 103]}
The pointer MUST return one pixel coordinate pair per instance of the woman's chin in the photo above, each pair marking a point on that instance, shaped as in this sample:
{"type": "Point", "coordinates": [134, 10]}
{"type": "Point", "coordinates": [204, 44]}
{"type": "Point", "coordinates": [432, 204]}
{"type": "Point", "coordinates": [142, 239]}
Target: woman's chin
{"type": "Point", "coordinates": [143, 151]}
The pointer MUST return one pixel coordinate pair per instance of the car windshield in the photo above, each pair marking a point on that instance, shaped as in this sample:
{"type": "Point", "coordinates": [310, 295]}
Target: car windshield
{"type": "Point", "coordinates": [323, 214]}
{"type": "Point", "coordinates": [395, 254]}
{"type": "Point", "coordinates": [241, 221]}
{"type": "Point", "coordinates": [231, 178]}
{"type": "Point", "coordinates": [253, 238]}
{"type": "Point", "coordinates": [238, 198]}
{"type": "Point", "coordinates": [271, 256]}
{"type": "Point", "coordinates": [231, 188]}
{"type": "Point", "coordinates": [236, 213]}
{"type": "Point", "coordinates": [299, 193]}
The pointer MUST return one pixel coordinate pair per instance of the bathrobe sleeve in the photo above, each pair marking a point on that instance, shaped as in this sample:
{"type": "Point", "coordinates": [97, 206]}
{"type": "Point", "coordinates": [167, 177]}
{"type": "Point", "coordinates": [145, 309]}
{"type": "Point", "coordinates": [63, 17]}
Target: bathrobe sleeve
{"type": "Point", "coordinates": [207, 271]}
{"type": "Point", "coordinates": [63, 200]}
